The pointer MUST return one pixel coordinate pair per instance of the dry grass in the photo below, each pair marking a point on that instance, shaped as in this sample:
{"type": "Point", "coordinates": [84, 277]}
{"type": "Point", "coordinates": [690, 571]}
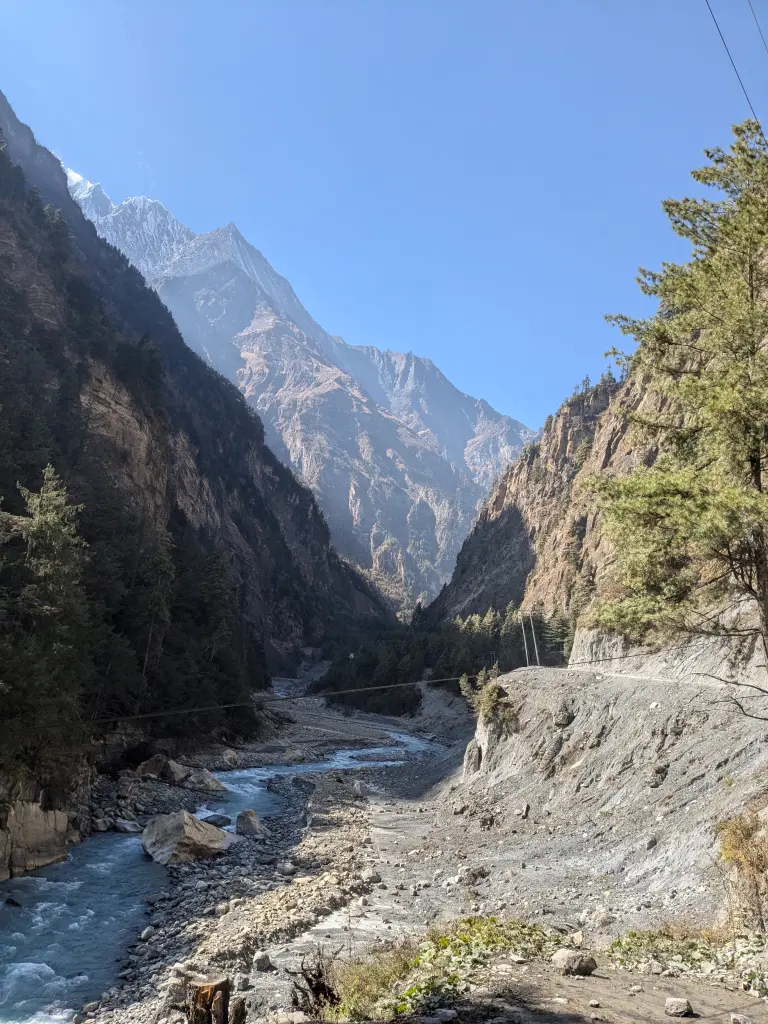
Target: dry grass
{"type": "Point", "coordinates": [364, 982]}
{"type": "Point", "coordinates": [410, 976]}
{"type": "Point", "coordinates": [744, 849]}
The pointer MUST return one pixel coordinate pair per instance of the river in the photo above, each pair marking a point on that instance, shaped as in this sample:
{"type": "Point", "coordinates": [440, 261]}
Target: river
{"type": "Point", "coordinates": [61, 947]}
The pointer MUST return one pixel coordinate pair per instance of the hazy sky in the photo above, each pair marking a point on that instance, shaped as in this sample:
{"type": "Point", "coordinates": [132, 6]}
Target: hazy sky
{"type": "Point", "coordinates": [473, 180]}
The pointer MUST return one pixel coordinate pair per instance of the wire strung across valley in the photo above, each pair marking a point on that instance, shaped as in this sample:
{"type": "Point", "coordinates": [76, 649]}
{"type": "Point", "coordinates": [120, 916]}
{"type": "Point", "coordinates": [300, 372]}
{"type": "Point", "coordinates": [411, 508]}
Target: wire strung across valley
{"type": "Point", "coordinates": [258, 701]}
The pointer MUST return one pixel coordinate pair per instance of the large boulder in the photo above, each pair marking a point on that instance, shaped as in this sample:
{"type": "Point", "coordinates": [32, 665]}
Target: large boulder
{"type": "Point", "coordinates": [573, 961]}
{"type": "Point", "coordinates": [248, 824]}
{"type": "Point", "coordinates": [201, 779]}
{"type": "Point", "coordinates": [153, 767]}
{"type": "Point", "coordinates": [175, 772]}
{"type": "Point", "coordinates": [180, 837]}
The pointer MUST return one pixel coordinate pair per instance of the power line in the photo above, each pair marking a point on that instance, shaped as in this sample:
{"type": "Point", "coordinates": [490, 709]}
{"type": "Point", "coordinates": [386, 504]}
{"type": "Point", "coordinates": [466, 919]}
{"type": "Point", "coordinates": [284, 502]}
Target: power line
{"type": "Point", "coordinates": [261, 701]}
{"type": "Point", "coordinates": [754, 15]}
{"type": "Point", "coordinates": [733, 65]}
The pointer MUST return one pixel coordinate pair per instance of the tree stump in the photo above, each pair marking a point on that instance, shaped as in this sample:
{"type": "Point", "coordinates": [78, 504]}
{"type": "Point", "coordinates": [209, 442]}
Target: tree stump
{"type": "Point", "coordinates": [208, 1000]}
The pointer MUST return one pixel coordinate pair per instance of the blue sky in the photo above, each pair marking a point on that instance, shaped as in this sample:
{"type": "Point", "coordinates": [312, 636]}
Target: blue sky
{"type": "Point", "coordinates": [473, 180]}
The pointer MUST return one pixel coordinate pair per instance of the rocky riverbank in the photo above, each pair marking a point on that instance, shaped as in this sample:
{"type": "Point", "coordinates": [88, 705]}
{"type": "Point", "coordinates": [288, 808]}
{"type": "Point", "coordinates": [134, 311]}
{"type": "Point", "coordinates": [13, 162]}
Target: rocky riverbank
{"type": "Point", "coordinates": [389, 855]}
{"type": "Point", "coordinates": [227, 914]}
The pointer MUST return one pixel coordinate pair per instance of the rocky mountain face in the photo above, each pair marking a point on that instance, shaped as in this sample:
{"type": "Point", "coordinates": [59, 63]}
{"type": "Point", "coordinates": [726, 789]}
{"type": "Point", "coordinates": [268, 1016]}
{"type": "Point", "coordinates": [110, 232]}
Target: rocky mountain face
{"type": "Point", "coordinates": [200, 561]}
{"type": "Point", "coordinates": [213, 462]}
{"type": "Point", "coordinates": [537, 540]}
{"type": "Point", "coordinates": [398, 458]}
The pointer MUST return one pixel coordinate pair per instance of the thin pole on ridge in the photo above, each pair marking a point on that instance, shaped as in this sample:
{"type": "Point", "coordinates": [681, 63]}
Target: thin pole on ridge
{"type": "Point", "coordinates": [533, 633]}
{"type": "Point", "coordinates": [525, 640]}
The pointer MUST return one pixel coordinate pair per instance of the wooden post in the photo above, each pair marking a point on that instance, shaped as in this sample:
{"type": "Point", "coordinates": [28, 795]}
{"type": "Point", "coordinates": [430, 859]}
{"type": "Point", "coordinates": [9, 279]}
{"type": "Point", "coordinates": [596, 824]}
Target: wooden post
{"type": "Point", "coordinates": [208, 1000]}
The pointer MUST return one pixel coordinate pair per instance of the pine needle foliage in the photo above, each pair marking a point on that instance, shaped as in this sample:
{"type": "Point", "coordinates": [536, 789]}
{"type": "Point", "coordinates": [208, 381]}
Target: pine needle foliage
{"type": "Point", "coordinates": [690, 531]}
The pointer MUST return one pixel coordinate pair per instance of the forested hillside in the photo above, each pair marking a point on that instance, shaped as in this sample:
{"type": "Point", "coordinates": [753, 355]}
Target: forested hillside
{"type": "Point", "coordinates": [155, 555]}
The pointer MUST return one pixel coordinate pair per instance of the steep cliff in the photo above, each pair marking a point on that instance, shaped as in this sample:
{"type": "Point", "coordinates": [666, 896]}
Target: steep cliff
{"type": "Point", "coordinates": [537, 540]}
{"type": "Point", "coordinates": [398, 458]}
{"type": "Point", "coordinates": [190, 557]}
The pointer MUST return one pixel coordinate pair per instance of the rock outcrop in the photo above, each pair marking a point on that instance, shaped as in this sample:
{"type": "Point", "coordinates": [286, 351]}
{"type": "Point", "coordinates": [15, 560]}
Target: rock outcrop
{"type": "Point", "coordinates": [537, 540]}
{"type": "Point", "coordinates": [180, 837]}
{"type": "Point", "coordinates": [31, 837]}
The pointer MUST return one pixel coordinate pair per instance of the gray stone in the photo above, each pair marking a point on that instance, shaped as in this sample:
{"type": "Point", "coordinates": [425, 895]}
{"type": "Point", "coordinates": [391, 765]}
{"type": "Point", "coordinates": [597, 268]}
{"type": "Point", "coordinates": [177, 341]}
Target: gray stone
{"type": "Point", "coordinates": [100, 825]}
{"type": "Point", "coordinates": [370, 875]}
{"type": "Point", "coordinates": [601, 918]}
{"type": "Point", "coordinates": [130, 827]}
{"type": "Point", "coordinates": [229, 757]}
{"type": "Point", "coordinates": [153, 767]}
{"type": "Point", "coordinates": [286, 868]}
{"type": "Point", "coordinates": [473, 758]}
{"type": "Point", "coordinates": [573, 961]}
{"type": "Point", "coordinates": [201, 778]}
{"type": "Point", "coordinates": [740, 1018]}
{"type": "Point", "coordinates": [175, 773]}
{"type": "Point", "coordinates": [677, 1007]}
{"type": "Point", "coordinates": [249, 824]}
{"type": "Point", "coordinates": [262, 962]}
{"type": "Point", "coordinates": [219, 820]}
{"type": "Point", "coordinates": [147, 933]}
{"type": "Point", "coordinates": [650, 842]}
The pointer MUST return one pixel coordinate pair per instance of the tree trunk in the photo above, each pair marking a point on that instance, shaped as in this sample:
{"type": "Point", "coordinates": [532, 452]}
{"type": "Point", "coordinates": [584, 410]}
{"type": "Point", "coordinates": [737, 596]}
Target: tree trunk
{"type": "Point", "coordinates": [208, 1000]}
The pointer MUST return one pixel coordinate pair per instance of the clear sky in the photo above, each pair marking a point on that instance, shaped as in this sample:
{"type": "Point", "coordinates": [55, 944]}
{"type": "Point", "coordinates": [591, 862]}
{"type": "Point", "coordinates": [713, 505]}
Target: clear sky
{"type": "Point", "coordinates": [473, 180]}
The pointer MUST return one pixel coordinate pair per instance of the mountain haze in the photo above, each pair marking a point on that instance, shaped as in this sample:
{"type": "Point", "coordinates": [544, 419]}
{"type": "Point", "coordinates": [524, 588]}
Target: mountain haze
{"type": "Point", "coordinates": [399, 458]}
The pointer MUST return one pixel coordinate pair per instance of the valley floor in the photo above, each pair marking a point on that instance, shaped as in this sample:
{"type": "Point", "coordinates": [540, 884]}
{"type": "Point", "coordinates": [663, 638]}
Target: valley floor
{"type": "Point", "coordinates": [385, 852]}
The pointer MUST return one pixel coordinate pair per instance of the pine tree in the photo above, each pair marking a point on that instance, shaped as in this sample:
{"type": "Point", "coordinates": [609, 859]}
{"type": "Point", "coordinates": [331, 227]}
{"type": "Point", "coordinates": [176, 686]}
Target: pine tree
{"type": "Point", "coordinates": [691, 532]}
{"type": "Point", "coordinates": [46, 657]}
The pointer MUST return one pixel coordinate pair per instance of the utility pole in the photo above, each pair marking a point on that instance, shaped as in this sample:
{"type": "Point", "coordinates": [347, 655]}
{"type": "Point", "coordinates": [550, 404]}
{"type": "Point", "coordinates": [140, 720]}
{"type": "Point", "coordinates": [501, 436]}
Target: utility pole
{"type": "Point", "coordinates": [525, 639]}
{"type": "Point", "coordinates": [533, 633]}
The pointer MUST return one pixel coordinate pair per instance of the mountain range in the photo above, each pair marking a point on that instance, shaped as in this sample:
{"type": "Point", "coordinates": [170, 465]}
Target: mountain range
{"type": "Point", "coordinates": [399, 459]}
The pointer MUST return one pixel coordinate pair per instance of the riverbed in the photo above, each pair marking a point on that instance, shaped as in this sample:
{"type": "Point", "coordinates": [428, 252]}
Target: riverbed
{"type": "Point", "coordinates": [62, 946]}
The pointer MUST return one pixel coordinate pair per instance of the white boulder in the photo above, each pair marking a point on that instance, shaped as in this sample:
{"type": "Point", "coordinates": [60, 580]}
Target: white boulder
{"type": "Point", "coordinates": [180, 837]}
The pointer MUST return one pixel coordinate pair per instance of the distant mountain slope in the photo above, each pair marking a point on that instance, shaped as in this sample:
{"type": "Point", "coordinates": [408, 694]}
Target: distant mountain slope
{"type": "Point", "coordinates": [176, 443]}
{"type": "Point", "coordinates": [398, 457]}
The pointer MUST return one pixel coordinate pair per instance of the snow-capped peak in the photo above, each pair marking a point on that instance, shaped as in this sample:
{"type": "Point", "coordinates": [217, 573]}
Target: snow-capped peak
{"type": "Point", "coordinates": [148, 234]}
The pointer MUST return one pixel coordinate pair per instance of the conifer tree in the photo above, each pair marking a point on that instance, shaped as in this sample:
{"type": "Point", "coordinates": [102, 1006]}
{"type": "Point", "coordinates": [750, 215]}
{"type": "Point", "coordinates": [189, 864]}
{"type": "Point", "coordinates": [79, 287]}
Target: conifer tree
{"type": "Point", "coordinates": [691, 531]}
